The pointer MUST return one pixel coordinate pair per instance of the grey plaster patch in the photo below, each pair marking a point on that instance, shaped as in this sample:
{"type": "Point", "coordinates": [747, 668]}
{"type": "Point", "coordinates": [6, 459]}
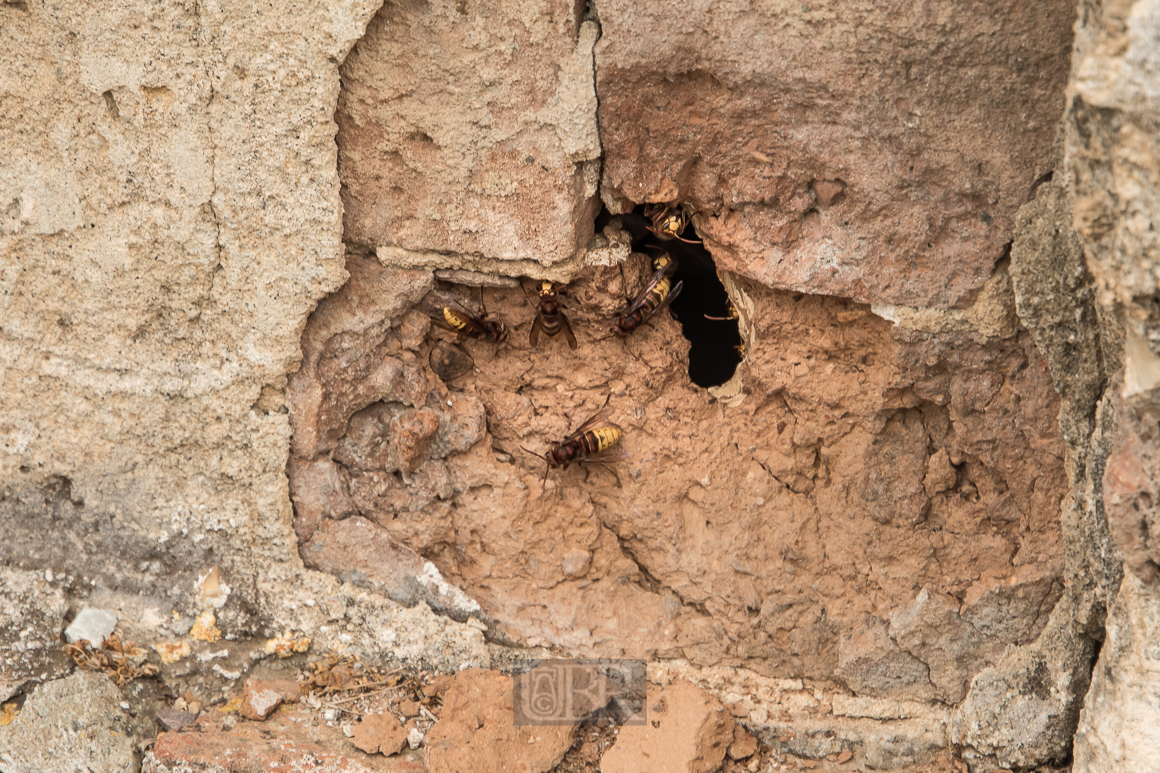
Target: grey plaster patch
{"type": "Point", "coordinates": [70, 724]}
{"type": "Point", "coordinates": [31, 616]}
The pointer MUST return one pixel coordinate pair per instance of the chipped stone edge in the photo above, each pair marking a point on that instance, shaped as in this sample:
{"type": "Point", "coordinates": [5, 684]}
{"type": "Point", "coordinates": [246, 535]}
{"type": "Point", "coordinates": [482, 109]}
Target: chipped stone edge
{"type": "Point", "coordinates": [991, 315]}
{"type": "Point", "coordinates": [732, 392]}
{"type": "Point", "coordinates": [454, 263]}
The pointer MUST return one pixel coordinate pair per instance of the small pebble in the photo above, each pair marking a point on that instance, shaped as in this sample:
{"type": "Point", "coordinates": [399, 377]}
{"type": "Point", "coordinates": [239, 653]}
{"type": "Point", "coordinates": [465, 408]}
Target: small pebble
{"type": "Point", "coordinates": [92, 625]}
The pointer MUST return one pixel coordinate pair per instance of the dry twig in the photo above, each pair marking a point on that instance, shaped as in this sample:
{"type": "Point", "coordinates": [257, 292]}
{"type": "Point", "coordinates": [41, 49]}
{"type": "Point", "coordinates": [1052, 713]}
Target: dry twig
{"type": "Point", "coordinates": [118, 660]}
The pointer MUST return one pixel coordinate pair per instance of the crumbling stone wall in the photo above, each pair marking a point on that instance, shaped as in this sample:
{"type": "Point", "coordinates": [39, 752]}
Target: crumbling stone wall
{"type": "Point", "coordinates": [1112, 152]}
{"type": "Point", "coordinates": [169, 191]}
{"type": "Point", "coordinates": [878, 493]}
{"type": "Point", "coordinates": [887, 532]}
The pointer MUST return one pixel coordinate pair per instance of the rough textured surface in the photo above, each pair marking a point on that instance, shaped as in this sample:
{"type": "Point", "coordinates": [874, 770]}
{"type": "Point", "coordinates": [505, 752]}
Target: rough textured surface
{"type": "Point", "coordinates": [1055, 296]}
{"type": "Point", "coordinates": [1118, 730]}
{"type": "Point", "coordinates": [687, 730]}
{"type": "Point", "coordinates": [853, 150]}
{"type": "Point", "coordinates": [351, 394]}
{"type": "Point", "coordinates": [71, 724]}
{"type": "Point", "coordinates": [380, 733]}
{"type": "Point", "coordinates": [852, 437]}
{"type": "Point", "coordinates": [177, 198]}
{"type": "Point", "coordinates": [743, 744]}
{"type": "Point", "coordinates": [171, 215]}
{"type": "Point", "coordinates": [1024, 710]}
{"type": "Point", "coordinates": [341, 372]}
{"type": "Point", "coordinates": [809, 722]}
{"type": "Point", "coordinates": [1114, 153]}
{"type": "Point", "coordinates": [1113, 149]}
{"type": "Point", "coordinates": [1132, 490]}
{"type": "Point", "coordinates": [258, 700]}
{"type": "Point", "coordinates": [469, 129]}
{"type": "Point", "coordinates": [31, 620]}
{"type": "Point", "coordinates": [290, 740]}
{"type": "Point", "coordinates": [476, 731]}
{"type": "Point", "coordinates": [906, 529]}
{"type": "Point", "coordinates": [358, 552]}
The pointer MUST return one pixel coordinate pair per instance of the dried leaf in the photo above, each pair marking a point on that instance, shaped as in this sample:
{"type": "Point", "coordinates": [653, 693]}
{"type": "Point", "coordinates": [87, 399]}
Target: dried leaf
{"type": "Point", "coordinates": [123, 662]}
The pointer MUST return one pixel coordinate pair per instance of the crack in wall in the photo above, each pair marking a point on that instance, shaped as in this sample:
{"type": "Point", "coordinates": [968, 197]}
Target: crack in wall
{"type": "Point", "coordinates": [217, 268]}
{"type": "Point", "coordinates": [654, 585]}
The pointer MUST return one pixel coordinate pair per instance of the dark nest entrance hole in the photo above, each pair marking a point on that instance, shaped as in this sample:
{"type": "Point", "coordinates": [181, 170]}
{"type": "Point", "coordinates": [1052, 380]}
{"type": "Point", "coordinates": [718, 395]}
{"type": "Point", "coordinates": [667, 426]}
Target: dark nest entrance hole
{"type": "Point", "coordinates": [714, 344]}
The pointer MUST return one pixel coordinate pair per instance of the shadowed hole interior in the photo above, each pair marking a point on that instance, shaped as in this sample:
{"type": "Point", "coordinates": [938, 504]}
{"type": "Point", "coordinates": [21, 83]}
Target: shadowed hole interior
{"type": "Point", "coordinates": [713, 343]}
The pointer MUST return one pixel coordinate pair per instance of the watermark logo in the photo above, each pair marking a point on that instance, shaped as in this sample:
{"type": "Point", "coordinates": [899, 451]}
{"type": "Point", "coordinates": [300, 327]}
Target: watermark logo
{"type": "Point", "coordinates": [571, 692]}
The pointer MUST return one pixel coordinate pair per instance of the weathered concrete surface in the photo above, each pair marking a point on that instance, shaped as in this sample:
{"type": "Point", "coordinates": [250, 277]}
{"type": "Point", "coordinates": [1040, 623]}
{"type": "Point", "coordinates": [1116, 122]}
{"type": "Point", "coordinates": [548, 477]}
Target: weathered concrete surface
{"type": "Point", "coordinates": [468, 130]}
{"type": "Point", "coordinates": [867, 151]}
{"type": "Point", "coordinates": [76, 723]}
{"type": "Point", "coordinates": [1118, 730]}
{"type": "Point", "coordinates": [1055, 297]}
{"type": "Point", "coordinates": [1114, 152]}
{"type": "Point", "coordinates": [171, 215]}
{"type": "Point", "coordinates": [32, 612]}
{"type": "Point", "coordinates": [1023, 711]}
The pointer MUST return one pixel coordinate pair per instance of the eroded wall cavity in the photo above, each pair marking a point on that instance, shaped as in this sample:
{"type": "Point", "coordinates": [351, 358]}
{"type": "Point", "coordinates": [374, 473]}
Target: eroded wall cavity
{"type": "Point", "coordinates": [880, 511]}
{"type": "Point", "coordinates": [874, 507]}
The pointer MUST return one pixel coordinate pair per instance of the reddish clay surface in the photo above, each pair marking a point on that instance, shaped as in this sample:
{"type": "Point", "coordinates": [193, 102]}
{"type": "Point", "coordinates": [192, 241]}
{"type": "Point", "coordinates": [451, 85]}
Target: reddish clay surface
{"type": "Point", "coordinates": [881, 510]}
{"type": "Point", "coordinates": [686, 730]}
{"type": "Point", "coordinates": [294, 740]}
{"type": "Point", "coordinates": [476, 731]}
{"type": "Point", "coordinates": [864, 151]}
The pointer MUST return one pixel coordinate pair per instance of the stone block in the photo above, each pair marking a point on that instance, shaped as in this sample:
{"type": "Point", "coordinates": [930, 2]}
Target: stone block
{"type": "Point", "coordinates": [837, 153]}
{"type": "Point", "coordinates": [469, 129]}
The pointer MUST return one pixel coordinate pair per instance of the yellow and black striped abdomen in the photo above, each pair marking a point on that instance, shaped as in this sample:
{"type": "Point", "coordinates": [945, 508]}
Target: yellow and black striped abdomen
{"type": "Point", "coordinates": [456, 320]}
{"type": "Point", "coordinates": [659, 293]}
{"type": "Point", "coordinates": [600, 439]}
